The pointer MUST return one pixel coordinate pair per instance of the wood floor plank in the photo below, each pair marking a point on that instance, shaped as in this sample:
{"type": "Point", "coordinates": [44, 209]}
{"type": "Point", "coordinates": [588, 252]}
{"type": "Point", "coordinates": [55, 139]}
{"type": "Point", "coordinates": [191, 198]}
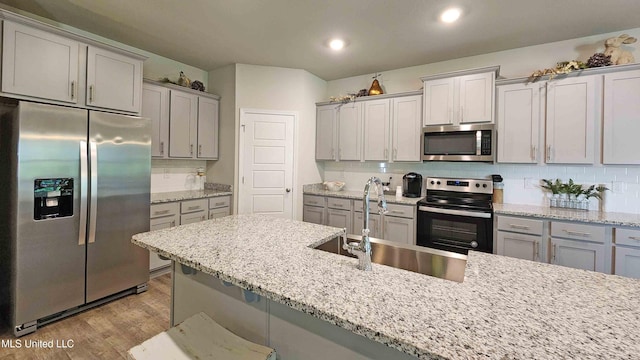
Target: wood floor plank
{"type": "Point", "coordinates": [105, 332]}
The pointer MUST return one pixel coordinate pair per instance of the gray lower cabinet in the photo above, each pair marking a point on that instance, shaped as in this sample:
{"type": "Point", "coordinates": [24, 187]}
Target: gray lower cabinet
{"type": "Point", "coordinates": [399, 229]}
{"type": "Point", "coordinates": [398, 224]}
{"type": "Point", "coordinates": [627, 252]}
{"type": "Point", "coordinates": [219, 207]}
{"type": "Point", "coordinates": [520, 238]}
{"type": "Point", "coordinates": [577, 245]}
{"type": "Point", "coordinates": [192, 211]}
{"type": "Point", "coordinates": [162, 216]}
{"type": "Point", "coordinates": [314, 208]}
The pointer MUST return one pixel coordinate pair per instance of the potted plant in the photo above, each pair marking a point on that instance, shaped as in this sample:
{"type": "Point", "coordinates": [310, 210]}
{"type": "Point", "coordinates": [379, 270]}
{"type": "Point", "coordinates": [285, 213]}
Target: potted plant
{"type": "Point", "coordinates": [570, 194]}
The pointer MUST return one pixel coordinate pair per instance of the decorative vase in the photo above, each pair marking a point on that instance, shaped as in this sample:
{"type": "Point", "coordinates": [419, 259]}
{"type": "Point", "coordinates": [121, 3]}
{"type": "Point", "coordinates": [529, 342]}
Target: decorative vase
{"type": "Point", "coordinates": [375, 88]}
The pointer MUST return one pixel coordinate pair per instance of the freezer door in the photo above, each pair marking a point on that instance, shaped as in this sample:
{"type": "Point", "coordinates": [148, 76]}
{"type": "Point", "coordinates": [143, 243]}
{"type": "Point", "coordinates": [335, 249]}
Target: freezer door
{"type": "Point", "coordinates": [49, 251]}
{"type": "Point", "coordinates": [120, 167]}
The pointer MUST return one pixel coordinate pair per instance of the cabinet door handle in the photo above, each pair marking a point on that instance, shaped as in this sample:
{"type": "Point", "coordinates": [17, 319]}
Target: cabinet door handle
{"type": "Point", "coordinates": [577, 233]}
{"type": "Point", "coordinates": [553, 253]}
{"type": "Point", "coordinates": [73, 90]}
{"type": "Point", "coordinates": [173, 223]}
{"type": "Point", "coordinates": [535, 251]}
{"type": "Point", "coordinates": [461, 114]}
{"type": "Point", "coordinates": [386, 153]}
{"type": "Point", "coordinates": [395, 154]}
{"type": "Point", "coordinates": [191, 149]}
{"type": "Point", "coordinates": [549, 153]}
{"type": "Point", "coordinates": [634, 238]}
{"type": "Point", "coordinates": [161, 212]}
{"type": "Point", "coordinates": [199, 150]}
{"type": "Point", "coordinates": [333, 156]}
{"type": "Point", "coordinates": [516, 226]}
{"type": "Point", "coordinates": [339, 153]}
{"type": "Point", "coordinates": [90, 93]}
{"type": "Point", "coordinates": [161, 147]}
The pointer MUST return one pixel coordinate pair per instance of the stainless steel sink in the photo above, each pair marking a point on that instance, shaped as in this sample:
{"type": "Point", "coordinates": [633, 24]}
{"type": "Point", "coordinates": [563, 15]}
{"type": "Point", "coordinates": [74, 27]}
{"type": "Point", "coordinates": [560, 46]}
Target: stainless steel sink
{"type": "Point", "coordinates": [441, 264]}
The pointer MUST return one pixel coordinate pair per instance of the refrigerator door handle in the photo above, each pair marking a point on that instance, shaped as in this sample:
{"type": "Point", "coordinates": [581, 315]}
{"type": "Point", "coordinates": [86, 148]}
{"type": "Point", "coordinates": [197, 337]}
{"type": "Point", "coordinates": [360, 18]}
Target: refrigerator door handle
{"type": "Point", "coordinates": [94, 191]}
{"type": "Point", "coordinates": [83, 193]}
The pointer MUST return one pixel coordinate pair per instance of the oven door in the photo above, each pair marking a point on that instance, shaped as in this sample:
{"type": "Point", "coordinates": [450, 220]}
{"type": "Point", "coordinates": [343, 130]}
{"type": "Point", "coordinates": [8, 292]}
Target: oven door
{"type": "Point", "coordinates": [454, 230]}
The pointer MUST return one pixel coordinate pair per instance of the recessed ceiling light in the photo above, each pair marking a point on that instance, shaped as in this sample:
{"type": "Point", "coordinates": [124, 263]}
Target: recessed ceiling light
{"type": "Point", "coordinates": [450, 15]}
{"type": "Point", "coordinates": [336, 44]}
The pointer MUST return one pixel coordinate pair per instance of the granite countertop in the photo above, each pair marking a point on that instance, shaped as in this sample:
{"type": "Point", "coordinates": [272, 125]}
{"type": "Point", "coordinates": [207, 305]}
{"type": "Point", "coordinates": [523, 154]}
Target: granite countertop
{"type": "Point", "coordinates": [506, 308]}
{"type": "Point", "coordinates": [357, 195]}
{"type": "Point", "coordinates": [591, 216]}
{"type": "Point", "coordinates": [171, 196]}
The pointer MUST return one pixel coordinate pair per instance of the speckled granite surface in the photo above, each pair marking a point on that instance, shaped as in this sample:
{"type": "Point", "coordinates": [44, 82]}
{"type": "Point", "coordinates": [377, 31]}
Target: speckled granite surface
{"type": "Point", "coordinates": [597, 217]}
{"type": "Point", "coordinates": [318, 189]}
{"type": "Point", "coordinates": [506, 308]}
{"type": "Point", "coordinates": [170, 196]}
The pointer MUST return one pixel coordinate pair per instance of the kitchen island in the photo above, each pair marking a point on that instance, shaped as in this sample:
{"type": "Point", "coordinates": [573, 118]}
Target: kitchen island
{"type": "Point", "coordinates": [505, 308]}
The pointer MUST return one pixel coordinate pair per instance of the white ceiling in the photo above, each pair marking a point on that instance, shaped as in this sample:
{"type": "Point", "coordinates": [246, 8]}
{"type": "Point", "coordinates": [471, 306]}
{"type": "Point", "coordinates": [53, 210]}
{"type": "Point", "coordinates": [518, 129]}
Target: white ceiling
{"type": "Point", "coordinates": [383, 34]}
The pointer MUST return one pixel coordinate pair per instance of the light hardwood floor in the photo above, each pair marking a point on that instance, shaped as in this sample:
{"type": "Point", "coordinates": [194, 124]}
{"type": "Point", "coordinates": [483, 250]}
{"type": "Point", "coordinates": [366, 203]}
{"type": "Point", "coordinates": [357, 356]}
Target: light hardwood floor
{"type": "Point", "coordinates": [105, 332]}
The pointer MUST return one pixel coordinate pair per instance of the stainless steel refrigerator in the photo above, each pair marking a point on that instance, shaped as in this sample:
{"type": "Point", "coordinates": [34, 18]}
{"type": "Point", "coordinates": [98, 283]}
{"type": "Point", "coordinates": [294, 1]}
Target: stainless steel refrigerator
{"type": "Point", "coordinates": [76, 185]}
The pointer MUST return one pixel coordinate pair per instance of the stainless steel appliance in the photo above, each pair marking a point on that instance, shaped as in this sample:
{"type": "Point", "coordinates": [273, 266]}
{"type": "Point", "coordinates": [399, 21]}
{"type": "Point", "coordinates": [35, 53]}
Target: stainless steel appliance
{"type": "Point", "coordinates": [75, 189]}
{"type": "Point", "coordinates": [456, 215]}
{"type": "Point", "coordinates": [475, 142]}
{"type": "Point", "coordinates": [412, 185]}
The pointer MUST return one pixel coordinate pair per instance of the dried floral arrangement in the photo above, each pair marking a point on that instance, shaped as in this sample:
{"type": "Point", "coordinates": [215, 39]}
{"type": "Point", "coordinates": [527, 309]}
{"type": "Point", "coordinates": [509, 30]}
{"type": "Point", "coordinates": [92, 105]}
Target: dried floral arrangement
{"type": "Point", "coordinates": [349, 97]}
{"type": "Point", "coordinates": [565, 67]}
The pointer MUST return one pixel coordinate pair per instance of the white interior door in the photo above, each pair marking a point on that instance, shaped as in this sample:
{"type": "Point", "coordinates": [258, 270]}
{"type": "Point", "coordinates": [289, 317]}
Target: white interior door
{"type": "Point", "coordinates": [266, 162]}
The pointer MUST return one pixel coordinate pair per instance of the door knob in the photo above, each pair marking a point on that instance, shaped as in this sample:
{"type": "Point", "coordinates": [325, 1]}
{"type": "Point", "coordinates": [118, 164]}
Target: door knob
{"type": "Point", "coordinates": [288, 190]}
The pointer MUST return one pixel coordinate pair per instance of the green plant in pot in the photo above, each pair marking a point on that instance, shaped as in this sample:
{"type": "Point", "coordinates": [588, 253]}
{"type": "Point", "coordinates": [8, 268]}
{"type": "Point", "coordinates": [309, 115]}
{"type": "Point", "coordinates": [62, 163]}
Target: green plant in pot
{"type": "Point", "coordinates": [570, 194]}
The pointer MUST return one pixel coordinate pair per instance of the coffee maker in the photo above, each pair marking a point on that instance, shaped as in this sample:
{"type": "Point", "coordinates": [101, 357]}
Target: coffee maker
{"type": "Point", "coordinates": [412, 185]}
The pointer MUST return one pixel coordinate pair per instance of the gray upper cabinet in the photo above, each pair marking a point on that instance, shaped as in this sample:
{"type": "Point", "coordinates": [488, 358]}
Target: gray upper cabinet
{"type": "Point", "coordinates": [183, 124]}
{"type": "Point", "coordinates": [350, 131]}
{"type": "Point", "coordinates": [406, 126]}
{"type": "Point", "coordinates": [460, 97]}
{"type": "Point", "coordinates": [48, 64]}
{"type": "Point", "coordinates": [155, 106]}
{"type": "Point", "coordinates": [518, 118]}
{"type": "Point", "coordinates": [377, 121]}
{"type": "Point", "coordinates": [326, 118]}
{"type": "Point", "coordinates": [27, 71]}
{"type": "Point", "coordinates": [572, 113]}
{"type": "Point", "coordinates": [114, 81]}
{"type": "Point", "coordinates": [621, 118]}
{"type": "Point", "coordinates": [207, 128]}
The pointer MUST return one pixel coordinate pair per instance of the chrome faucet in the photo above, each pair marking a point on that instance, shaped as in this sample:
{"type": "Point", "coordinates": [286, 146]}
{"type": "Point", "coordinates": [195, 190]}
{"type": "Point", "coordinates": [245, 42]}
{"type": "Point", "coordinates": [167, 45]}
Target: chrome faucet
{"type": "Point", "coordinates": [362, 249]}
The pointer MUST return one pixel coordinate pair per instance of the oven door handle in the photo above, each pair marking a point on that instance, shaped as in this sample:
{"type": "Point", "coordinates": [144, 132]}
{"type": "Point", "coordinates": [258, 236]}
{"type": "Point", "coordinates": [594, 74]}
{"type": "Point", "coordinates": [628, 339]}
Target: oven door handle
{"type": "Point", "coordinates": [455, 212]}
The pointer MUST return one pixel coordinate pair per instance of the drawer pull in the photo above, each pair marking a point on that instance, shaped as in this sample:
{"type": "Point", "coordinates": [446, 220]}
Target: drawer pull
{"type": "Point", "coordinates": [576, 233]}
{"type": "Point", "coordinates": [634, 238]}
{"type": "Point", "coordinates": [397, 212]}
{"type": "Point", "coordinates": [516, 226]}
{"type": "Point", "coordinates": [337, 205]}
{"type": "Point", "coordinates": [193, 207]}
{"type": "Point", "coordinates": [219, 203]}
{"type": "Point", "coordinates": [173, 223]}
{"type": "Point", "coordinates": [162, 212]}
{"type": "Point", "coordinates": [312, 202]}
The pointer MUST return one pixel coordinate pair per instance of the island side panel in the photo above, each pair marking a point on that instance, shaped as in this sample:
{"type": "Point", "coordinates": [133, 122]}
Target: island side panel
{"type": "Point", "coordinates": [200, 292]}
{"type": "Point", "coordinates": [293, 334]}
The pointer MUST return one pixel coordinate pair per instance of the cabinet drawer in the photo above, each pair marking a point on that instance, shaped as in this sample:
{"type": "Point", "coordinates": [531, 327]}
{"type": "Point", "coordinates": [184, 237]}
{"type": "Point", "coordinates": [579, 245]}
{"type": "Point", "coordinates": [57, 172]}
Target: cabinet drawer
{"type": "Point", "coordinates": [342, 204]}
{"type": "Point", "coordinates": [193, 206]}
{"type": "Point", "coordinates": [219, 212]}
{"type": "Point", "coordinates": [400, 210]}
{"type": "Point", "coordinates": [577, 231]}
{"type": "Point", "coordinates": [357, 206]}
{"type": "Point", "coordinates": [314, 200]}
{"type": "Point", "coordinates": [219, 202]}
{"type": "Point", "coordinates": [521, 225]}
{"type": "Point", "coordinates": [627, 237]}
{"type": "Point", "coordinates": [168, 209]}
{"type": "Point", "coordinates": [193, 217]}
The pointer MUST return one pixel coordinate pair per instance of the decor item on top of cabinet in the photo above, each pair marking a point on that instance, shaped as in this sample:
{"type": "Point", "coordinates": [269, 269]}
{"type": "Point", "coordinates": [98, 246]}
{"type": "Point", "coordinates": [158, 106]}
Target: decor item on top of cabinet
{"type": "Point", "coordinates": [197, 85]}
{"type": "Point", "coordinates": [562, 68]}
{"type": "Point", "coordinates": [619, 56]}
{"type": "Point", "coordinates": [375, 88]}
{"type": "Point", "coordinates": [343, 99]}
{"type": "Point", "coordinates": [334, 185]}
{"type": "Point", "coordinates": [599, 60]}
{"type": "Point", "coordinates": [183, 80]}
{"type": "Point", "coordinates": [571, 195]}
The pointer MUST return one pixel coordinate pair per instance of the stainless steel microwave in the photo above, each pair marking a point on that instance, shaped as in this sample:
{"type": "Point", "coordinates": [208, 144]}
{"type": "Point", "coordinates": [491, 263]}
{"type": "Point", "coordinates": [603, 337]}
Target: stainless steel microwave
{"type": "Point", "coordinates": [473, 142]}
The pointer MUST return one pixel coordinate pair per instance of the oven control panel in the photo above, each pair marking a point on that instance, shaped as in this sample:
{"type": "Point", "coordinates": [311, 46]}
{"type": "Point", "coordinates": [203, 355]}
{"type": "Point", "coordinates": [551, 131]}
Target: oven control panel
{"type": "Point", "coordinates": [481, 186]}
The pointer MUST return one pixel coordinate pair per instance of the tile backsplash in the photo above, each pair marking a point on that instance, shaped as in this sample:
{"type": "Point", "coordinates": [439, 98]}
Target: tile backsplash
{"type": "Point", "coordinates": [176, 175]}
{"type": "Point", "coordinates": [521, 182]}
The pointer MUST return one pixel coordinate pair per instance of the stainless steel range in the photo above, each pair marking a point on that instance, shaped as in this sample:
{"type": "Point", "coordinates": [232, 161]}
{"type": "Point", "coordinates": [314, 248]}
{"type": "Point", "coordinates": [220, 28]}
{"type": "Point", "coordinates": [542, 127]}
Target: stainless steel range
{"type": "Point", "coordinates": [456, 215]}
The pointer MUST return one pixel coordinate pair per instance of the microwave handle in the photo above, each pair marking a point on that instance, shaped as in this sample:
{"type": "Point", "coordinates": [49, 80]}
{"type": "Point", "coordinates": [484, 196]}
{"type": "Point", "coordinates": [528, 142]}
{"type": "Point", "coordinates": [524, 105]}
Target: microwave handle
{"type": "Point", "coordinates": [479, 142]}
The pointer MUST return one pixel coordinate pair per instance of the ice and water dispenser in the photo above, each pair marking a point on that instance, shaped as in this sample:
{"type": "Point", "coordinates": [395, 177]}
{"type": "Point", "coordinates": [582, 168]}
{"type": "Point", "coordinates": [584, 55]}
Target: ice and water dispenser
{"type": "Point", "coordinates": [53, 198]}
